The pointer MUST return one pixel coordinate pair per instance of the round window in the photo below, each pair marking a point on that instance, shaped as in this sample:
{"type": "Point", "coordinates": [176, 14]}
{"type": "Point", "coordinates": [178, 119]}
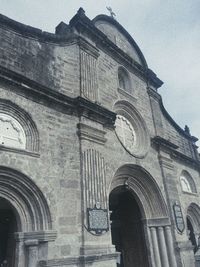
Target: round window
{"type": "Point", "coordinates": [131, 129]}
{"type": "Point", "coordinates": [125, 132]}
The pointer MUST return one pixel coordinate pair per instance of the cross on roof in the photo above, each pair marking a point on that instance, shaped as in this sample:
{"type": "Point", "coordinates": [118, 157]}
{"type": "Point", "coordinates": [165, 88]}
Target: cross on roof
{"type": "Point", "coordinates": [112, 14]}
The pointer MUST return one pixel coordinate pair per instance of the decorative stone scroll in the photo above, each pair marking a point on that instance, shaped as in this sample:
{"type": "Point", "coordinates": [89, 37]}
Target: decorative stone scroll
{"type": "Point", "coordinates": [180, 225]}
{"type": "Point", "coordinates": [95, 196]}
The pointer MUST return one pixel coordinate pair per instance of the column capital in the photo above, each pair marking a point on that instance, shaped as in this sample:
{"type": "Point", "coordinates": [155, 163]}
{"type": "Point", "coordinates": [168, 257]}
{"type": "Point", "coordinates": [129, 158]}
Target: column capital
{"type": "Point", "coordinates": [31, 243]}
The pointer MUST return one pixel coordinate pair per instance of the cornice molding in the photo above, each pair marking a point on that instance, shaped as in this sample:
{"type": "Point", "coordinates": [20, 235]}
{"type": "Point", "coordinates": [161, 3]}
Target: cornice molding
{"type": "Point", "coordinates": [153, 79]}
{"type": "Point", "coordinates": [171, 148]}
{"type": "Point", "coordinates": [40, 236]}
{"type": "Point", "coordinates": [95, 112]}
{"type": "Point", "coordinates": [78, 106]}
{"type": "Point", "coordinates": [19, 151]}
{"type": "Point", "coordinates": [87, 132]}
{"type": "Point", "coordinates": [163, 143]}
{"type": "Point", "coordinates": [154, 94]}
{"type": "Point", "coordinates": [88, 48]}
{"type": "Point", "coordinates": [187, 160]}
{"type": "Point", "coordinates": [192, 139]}
{"type": "Point", "coordinates": [71, 34]}
{"type": "Point", "coordinates": [81, 23]}
{"type": "Point", "coordinates": [121, 29]}
{"type": "Point", "coordinates": [31, 32]}
{"type": "Point", "coordinates": [157, 222]}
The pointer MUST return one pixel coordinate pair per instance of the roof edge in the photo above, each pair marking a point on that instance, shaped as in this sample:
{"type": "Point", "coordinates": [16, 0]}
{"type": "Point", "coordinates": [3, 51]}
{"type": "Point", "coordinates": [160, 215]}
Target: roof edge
{"type": "Point", "coordinates": [124, 32]}
{"type": "Point", "coordinates": [186, 134]}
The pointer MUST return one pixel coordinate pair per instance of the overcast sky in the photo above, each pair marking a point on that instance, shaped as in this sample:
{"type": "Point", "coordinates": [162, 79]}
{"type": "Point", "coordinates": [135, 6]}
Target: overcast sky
{"type": "Point", "coordinates": [167, 31]}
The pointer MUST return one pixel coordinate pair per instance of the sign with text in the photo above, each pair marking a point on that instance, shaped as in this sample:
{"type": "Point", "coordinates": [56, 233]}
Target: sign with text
{"type": "Point", "coordinates": [179, 217]}
{"type": "Point", "coordinates": [97, 220]}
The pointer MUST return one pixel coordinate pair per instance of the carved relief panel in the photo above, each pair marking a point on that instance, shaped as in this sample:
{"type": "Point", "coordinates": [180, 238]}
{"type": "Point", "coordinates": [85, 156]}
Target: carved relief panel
{"type": "Point", "coordinates": [12, 133]}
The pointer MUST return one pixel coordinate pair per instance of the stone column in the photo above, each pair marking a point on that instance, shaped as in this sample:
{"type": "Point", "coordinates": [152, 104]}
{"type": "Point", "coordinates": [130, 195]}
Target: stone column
{"type": "Point", "coordinates": [155, 246]}
{"type": "Point", "coordinates": [163, 248]}
{"type": "Point", "coordinates": [32, 249]}
{"type": "Point", "coordinates": [170, 246]}
{"type": "Point", "coordinates": [19, 253]}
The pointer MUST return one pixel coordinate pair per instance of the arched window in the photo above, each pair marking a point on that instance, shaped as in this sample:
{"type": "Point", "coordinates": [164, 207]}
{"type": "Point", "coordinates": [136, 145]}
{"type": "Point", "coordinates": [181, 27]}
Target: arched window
{"type": "Point", "coordinates": [24, 212]}
{"type": "Point", "coordinates": [124, 80]}
{"type": "Point", "coordinates": [17, 129]}
{"type": "Point", "coordinates": [187, 183]}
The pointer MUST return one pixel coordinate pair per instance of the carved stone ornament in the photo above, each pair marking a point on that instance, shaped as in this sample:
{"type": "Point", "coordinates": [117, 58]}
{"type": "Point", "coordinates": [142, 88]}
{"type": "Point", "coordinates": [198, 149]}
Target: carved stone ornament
{"type": "Point", "coordinates": [12, 133]}
{"type": "Point", "coordinates": [131, 129]}
{"type": "Point", "coordinates": [125, 132]}
{"type": "Point", "coordinates": [180, 225]}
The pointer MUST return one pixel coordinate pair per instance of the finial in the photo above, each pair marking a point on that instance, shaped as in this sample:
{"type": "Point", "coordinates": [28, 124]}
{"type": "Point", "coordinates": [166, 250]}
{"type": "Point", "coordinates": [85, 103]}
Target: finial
{"type": "Point", "coordinates": [187, 129]}
{"type": "Point", "coordinates": [81, 11]}
{"type": "Point", "coordinates": [112, 14]}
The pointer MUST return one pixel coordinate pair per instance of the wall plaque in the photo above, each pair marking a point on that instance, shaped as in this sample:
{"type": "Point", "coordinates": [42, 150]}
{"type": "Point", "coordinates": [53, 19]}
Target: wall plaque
{"type": "Point", "coordinates": [180, 225]}
{"type": "Point", "coordinates": [97, 220]}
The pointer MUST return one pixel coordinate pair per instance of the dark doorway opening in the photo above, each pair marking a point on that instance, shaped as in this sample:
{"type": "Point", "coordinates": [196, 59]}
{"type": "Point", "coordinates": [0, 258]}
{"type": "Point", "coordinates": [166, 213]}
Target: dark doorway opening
{"type": "Point", "coordinates": [8, 226]}
{"type": "Point", "coordinates": [192, 235]}
{"type": "Point", "coordinates": [127, 229]}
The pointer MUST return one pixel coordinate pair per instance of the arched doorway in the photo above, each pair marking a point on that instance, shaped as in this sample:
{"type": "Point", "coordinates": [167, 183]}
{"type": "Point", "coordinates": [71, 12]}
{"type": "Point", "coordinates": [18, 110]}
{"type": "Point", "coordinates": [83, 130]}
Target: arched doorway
{"type": "Point", "coordinates": [8, 226]}
{"type": "Point", "coordinates": [142, 203]}
{"type": "Point", "coordinates": [191, 235]}
{"type": "Point", "coordinates": [193, 227]}
{"type": "Point", "coordinates": [25, 220]}
{"type": "Point", "coordinates": [127, 229]}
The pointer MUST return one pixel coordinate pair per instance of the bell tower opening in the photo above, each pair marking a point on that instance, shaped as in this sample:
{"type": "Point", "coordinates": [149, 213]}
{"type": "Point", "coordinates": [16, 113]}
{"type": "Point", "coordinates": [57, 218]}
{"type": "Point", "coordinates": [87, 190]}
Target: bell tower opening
{"type": "Point", "coordinates": [127, 229]}
{"type": "Point", "coordinates": [8, 226]}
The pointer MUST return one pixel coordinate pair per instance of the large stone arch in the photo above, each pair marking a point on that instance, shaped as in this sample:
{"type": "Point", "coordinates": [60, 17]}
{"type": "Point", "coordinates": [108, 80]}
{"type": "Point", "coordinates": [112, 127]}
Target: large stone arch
{"type": "Point", "coordinates": [154, 214]}
{"type": "Point", "coordinates": [29, 203]}
{"type": "Point", "coordinates": [32, 215]}
{"type": "Point", "coordinates": [193, 214]}
{"type": "Point", "coordinates": [26, 122]}
{"type": "Point", "coordinates": [145, 189]}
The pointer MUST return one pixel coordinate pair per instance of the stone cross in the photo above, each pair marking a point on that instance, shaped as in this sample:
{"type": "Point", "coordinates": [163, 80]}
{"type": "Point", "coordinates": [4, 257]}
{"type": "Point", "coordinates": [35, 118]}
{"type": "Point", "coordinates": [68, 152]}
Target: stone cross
{"type": "Point", "coordinates": [112, 14]}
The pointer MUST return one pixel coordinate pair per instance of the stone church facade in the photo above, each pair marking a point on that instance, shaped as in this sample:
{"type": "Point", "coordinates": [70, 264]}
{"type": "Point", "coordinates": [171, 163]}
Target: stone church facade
{"type": "Point", "coordinates": [93, 170]}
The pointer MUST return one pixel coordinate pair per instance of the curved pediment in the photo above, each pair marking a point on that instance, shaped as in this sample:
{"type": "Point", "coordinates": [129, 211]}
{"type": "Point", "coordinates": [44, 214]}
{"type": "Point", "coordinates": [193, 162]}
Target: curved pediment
{"type": "Point", "coordinates": [120, 37]}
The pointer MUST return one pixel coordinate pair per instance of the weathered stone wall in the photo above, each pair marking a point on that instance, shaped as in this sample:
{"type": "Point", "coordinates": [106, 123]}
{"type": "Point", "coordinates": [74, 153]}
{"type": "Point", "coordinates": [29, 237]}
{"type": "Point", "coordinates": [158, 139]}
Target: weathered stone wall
{"type": "Point", "coordinates": [56, 170]}
{"type": "Point", "coordinates": [52, 65]}
{"type": "Point", "coordinates": [118, 38]}
{"type": "Point", "coordinates": [67, 136]}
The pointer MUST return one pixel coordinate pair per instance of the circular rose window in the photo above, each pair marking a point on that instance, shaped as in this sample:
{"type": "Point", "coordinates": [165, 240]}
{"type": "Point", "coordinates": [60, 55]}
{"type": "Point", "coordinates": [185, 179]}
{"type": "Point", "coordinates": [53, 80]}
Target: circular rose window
{"type": "Point", "coordinates": [131, 129]}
